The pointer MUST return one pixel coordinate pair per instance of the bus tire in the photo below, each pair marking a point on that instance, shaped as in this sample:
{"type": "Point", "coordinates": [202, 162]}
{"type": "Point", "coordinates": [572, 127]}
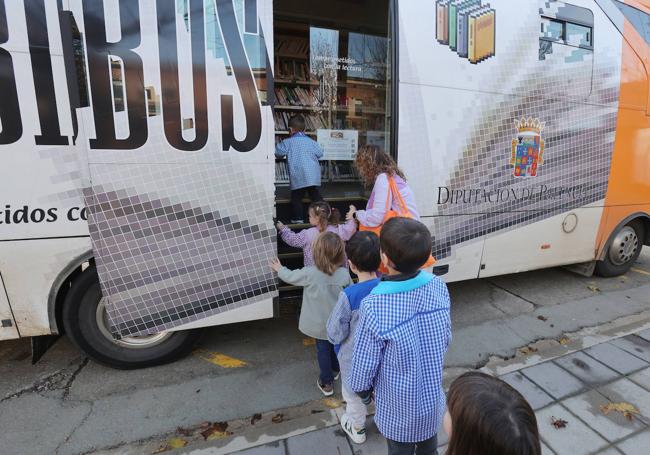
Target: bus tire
{"type": "Point", "coordinates": [623, 250]}
{"type": "Point", "coordinates": [85, 323]}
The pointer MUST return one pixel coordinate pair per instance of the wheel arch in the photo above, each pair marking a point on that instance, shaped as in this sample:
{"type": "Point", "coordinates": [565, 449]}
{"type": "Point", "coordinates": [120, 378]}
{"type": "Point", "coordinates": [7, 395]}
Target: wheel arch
{"type": "Point", "coordinates": [60, 287]}
{"type": "Point", "coordinates": [641, 216]}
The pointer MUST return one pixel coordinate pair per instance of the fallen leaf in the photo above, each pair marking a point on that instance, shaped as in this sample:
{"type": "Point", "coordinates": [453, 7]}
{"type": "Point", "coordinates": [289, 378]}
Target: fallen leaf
{"type": "Point", "coordinates": [277, 418]}
{"type": "Point", "coordinates": [217, 430]}
{"type": "Point", "coordinates": [628, 410]}
{"type": "Point", "coordinates": [542, 318]}
{"type": "Point", "coordinates": [563, 341]}
{"type": "Point", "coordinates": [176, 443]}
{"type": "Point", "coordinates": [558, 423]}
{"type": "Point", "coordinates": [528, 350]}
{"type": "Point", "coordinates": [161, 449]}
{"type": "Point", "coordinates": [184, 431]}
{"type": "Point", "coordinates": [332, 403]}
{"type": "Point", "coordinates": [198, 390]}
{"type": "Point", "coordinates": [593, 288]}
{"type": "Point", "coordinates": [308, 342]}
{"type": "Point", "coordinates": [256, 418]}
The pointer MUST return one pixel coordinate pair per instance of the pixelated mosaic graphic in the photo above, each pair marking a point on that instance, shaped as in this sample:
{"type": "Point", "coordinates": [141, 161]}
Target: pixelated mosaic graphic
{"type": "Point", "coordinates": [564, 85]}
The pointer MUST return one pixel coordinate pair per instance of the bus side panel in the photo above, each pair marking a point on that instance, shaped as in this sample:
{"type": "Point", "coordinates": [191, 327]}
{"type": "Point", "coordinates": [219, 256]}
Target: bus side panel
{"type": "Point", "coordinates": [8, 328]}
{"type": "Point", "coordinates": [30, 268]}
{"type": "Point", "coordinates": [517, 134]}
{"type": "Point", "coordinates": [181, 206]}
{"type": "Point", "coordinates": [628, 191]}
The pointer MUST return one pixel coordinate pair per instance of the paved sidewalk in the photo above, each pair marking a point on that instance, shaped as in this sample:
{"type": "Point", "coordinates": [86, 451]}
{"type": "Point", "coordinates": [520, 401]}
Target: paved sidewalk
{"type": "Point", "coordinates": [588, 391]}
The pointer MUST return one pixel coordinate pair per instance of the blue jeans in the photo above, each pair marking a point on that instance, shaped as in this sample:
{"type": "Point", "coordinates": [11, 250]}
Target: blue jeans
{"type": "Point", "coordinates": [327, 361]}
{"type": "Point", "coordinates": [428, 447]}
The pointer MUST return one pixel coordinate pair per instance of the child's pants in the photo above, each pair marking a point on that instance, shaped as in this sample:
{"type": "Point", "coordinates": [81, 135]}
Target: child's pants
{"type": "Point", "coordinates": [428, 447]}
{"type": "Point", "coordinates": [327, 361]}
{"type": "Point", "coordinates": [354, 408]}
{"type": "Point", "coordinates": [296, 200]}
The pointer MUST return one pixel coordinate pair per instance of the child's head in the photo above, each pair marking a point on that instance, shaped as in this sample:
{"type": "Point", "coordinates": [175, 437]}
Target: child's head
{"type": "Point", "coordinates": [297, 123]}
{"type": "Point", "coordinates": [329, 252]}
{"type": "Point", "coordinates": [321, 215]}
{"type": "Point", "coordinates": [486, 415]}
{"type": "Point", "coordinates": [363, 252]}
{"type": "Point", "coordinates": [405, 244]}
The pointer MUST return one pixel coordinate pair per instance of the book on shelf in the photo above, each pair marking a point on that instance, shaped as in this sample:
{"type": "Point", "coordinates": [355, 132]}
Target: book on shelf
{"type": "Point", "coordinates": [285, 45]}
{"type": "Point", "coordinates": [292, 69]}
{"type": "Point", "coordinates": [313, 121]}
{"type": "Point", "coordinates": [294, 96]}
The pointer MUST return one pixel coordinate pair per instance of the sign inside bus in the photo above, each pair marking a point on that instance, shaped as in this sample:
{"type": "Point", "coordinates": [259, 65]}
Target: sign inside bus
{"type": "Point", "coordinates": [97, 49]}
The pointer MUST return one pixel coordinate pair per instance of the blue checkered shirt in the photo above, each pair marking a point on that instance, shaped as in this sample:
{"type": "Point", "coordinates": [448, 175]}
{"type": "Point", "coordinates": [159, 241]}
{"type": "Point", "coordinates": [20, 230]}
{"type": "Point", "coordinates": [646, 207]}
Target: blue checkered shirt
{"type": "Point", "coordinates": [302, 155]}
{"type": "Point", "coordinates": [402, 336]}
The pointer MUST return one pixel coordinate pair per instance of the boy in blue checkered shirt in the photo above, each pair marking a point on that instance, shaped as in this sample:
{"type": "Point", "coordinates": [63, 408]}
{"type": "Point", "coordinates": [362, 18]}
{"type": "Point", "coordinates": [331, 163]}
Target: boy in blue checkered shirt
{"type": "Point", "coordinates": [402, 336]}
{"type": "Point", "coordinates": [303, 155]}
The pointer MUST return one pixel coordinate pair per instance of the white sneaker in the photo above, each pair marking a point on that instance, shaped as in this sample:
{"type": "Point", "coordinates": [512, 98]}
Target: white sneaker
{"type": "Point", "coordinates": [357, 436]}
{"type": "Point", "coordinates": [327, 389]}
{"type": "Point", "coordinates": [337, 376]}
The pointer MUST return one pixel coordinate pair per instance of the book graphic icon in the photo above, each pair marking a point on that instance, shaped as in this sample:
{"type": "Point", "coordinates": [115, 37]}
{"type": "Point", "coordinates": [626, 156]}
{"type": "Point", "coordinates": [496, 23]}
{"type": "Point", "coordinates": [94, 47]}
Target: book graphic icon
{"type": "Point", "coordinates": [467, 27]}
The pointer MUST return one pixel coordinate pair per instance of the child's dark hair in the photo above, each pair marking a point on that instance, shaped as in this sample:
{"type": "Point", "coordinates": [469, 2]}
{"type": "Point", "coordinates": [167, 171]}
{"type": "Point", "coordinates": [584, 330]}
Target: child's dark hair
{"type": "Point", "coordinates": [326, 215]}
{"type": "Point", "coordinates": [329, 252]}
{"type": "Point", "coordinates": [407, 243]}
{"type": "Point", "coordinates": [490, 417]}
{"type": "Point", "coordinates": [363, 251]}
{"type": "Point", "coordinates": [297, 122]}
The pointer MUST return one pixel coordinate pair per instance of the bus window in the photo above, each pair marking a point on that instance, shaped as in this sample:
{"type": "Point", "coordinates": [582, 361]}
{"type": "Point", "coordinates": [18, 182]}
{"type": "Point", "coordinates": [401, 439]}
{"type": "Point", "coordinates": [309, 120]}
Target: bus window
{"type": "Point", "coordinates": [566, 46]}
{"type": "Point", "coordinates": [639, 19]}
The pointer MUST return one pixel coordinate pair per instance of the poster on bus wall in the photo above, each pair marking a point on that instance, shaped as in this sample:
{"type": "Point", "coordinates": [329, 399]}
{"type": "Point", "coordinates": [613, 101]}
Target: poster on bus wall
{"type": "Point", "coordinates": [154, 127]}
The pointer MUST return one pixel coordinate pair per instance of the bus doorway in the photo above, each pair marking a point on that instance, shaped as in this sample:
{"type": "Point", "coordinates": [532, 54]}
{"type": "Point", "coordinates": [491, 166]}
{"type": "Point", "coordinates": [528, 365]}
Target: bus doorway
{"type": "Point", "coordinates": [331, 66]}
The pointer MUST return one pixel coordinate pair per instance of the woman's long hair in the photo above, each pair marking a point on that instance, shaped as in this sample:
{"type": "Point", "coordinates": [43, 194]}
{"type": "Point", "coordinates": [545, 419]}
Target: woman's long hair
{"type": "Point", "coordinates": [489, 417]}
{"type": "Point", "coordinates": [372, 161]}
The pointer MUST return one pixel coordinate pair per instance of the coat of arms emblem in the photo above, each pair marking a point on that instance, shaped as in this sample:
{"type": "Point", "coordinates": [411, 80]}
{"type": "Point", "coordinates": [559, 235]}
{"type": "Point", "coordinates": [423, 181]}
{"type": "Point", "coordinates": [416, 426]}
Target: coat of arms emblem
{"type": "Point", "coordinates": [527, 148]}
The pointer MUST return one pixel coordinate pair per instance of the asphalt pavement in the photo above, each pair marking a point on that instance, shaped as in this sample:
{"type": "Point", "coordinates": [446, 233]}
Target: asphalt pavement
{"type": "Point", "coordinates": [67, 404]}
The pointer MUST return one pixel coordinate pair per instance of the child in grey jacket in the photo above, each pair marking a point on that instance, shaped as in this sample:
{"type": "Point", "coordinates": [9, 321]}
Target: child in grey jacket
{"type": "Point", "coordinates": [364, 259]}
{"type": "Point", "coordinates": [322, 284]}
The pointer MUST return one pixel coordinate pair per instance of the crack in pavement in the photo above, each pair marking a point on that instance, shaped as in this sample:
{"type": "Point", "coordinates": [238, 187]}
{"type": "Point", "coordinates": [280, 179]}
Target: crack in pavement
{"type": "Point", "coordinates": [69, 436]}
{"type": "Point", "coordinates": [58, 380]}
{"type": "Point", "coordinates": [535, 305]}
{"type": "Point", "coordinates": [68, 385]}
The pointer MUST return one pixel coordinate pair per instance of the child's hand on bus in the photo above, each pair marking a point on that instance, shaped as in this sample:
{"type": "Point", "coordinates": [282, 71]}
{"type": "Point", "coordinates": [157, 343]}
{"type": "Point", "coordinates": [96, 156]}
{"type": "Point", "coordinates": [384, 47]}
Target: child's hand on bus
{"type": "Point", "coordinates": [279, 225]}
{"type": "Point", "coordinates": [350, 215]}
{"type": "Point", "coordinates": [276, 265]}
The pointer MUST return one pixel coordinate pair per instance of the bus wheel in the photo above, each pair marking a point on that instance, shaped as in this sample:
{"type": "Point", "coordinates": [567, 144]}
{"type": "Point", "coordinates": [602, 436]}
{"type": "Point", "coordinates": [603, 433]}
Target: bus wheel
{"type": "Point", "coordinates": [86, 323]}
{"type": "Point", "coordinates": [623, 250]}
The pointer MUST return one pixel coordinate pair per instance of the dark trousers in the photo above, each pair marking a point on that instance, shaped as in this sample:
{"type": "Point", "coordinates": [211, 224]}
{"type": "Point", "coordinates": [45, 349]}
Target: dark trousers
{"type": "Point", "coordinates": [428, 447]}
{"type": "Point", "coordinates": [327, 361]}
{"type": "Point", "coordinates": [296, 200]}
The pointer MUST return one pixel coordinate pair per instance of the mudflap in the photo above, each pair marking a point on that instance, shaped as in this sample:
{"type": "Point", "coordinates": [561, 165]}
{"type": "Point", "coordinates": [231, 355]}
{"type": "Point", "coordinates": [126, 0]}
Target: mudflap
{"type": "Point", "coordinates": [40, 345]}
{"type": "Point", "coordinates": [584, 268]}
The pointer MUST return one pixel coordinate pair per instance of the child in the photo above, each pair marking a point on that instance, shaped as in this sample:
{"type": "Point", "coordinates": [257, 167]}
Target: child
{"type": "Point", "coordinates": [487, 416]}
{"type": "Point", "coordinates": [302, 155]}
{"type": "Point", "coordinates": [403, 333]}
{"type": "Point", "coordinates": [323, 218]}
{"type": "Point", "coordinates": [364, 259]}
{"type": "Point", "coordinates": [323, 283]}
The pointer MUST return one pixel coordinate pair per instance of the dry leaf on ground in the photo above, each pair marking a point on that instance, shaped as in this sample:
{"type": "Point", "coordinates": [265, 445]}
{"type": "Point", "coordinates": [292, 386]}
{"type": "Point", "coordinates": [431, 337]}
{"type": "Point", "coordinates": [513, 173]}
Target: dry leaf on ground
{"type": "Point", "coordinates": [564, 341]}
{"type": "Point", "coordinates": [174, 443]}
{"type": "Point", "coordinates": [217, 430]}
{"type": "Point", "coordinates": [558, 423]}
{"type": "Point", "coordinates": [184, 431]}
{"type": "Point", "coordinates": [332, 403]}
{"type": "Point", "coordinates": [628, 410]}
{"type": "Point", "coordinates": [593, 288]}
{"type": "Point", "coordinates": [277, 418]}
{"type": "Point", "coordinates": [256, 417]}
{"type": "Point", "coordinates": [542, 318]}
{"type": "Point", "coordinates": [528, 350]}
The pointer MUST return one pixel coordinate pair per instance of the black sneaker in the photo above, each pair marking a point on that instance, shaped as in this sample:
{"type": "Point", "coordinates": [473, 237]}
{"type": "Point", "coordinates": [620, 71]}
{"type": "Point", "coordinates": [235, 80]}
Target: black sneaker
{"type": "Point", "coordinates": [327, 389]}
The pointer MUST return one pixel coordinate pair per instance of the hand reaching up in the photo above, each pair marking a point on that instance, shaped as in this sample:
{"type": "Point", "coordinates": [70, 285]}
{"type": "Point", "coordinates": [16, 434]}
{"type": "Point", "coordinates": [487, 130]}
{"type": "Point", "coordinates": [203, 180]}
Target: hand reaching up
{"type": "Point", "coordinates": [350, 215]}
{"type": "Point", "coordinates": [275, 264]}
